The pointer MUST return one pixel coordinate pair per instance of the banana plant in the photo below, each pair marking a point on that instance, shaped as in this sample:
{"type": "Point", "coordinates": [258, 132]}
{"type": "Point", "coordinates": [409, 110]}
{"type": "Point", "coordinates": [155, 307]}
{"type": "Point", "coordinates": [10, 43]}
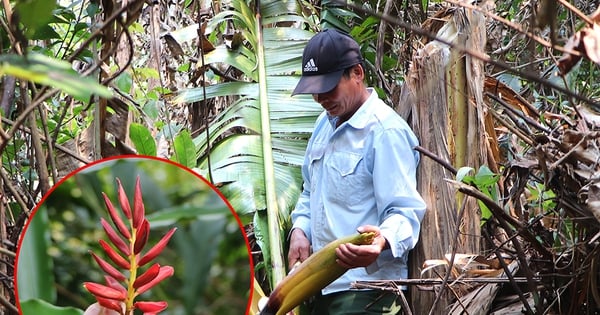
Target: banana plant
{"type": "Point", "coordinates": [258, 168]}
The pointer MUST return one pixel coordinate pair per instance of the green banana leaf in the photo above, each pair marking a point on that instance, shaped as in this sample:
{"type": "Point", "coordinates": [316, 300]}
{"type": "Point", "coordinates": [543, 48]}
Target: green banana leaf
{"type": "Point", "coordinates": [258, 169]}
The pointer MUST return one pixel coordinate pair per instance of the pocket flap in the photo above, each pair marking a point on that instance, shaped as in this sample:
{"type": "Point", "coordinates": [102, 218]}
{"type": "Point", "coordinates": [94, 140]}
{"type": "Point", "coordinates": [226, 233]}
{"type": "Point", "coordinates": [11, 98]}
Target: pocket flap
{"type": "Point", "coordinates": [345, 162]}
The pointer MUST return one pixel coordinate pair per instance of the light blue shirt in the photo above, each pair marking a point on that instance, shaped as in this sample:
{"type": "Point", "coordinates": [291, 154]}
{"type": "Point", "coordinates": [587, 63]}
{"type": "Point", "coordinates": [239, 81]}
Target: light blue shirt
{"type": "Point", "coordinates": [362, 172]}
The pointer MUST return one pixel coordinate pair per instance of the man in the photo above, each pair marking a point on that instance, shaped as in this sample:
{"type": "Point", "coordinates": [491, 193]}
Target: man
{"type": "Point", "coordinates": [359, 175]}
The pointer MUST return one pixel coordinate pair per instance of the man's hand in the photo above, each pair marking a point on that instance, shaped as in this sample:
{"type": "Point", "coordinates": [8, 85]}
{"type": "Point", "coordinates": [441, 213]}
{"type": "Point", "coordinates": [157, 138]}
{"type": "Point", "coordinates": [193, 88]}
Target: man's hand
{"type": "Point", "coordinates": [352, 256]}
{"type": "Point", "coordinates": [299, 247]}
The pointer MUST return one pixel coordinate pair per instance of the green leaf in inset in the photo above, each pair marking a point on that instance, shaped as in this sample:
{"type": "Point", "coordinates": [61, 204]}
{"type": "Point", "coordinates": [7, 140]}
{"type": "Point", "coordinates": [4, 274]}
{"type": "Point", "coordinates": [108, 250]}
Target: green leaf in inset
{"type": "Point", "coordinates": [185, 150]}
{"type": "Point", "coordinates": [142, 139]}
{"type": "Point", "coordinates": [36, 306]}
{"type": "Point", "coordinates": [169, 216]}
{"type": "Point", "coordinates": [196, 261]}
{"type": "Point", "coordinates": [35, 270]}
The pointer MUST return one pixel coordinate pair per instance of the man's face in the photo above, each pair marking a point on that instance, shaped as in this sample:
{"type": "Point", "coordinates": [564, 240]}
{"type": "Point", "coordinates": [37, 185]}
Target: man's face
{"type": "Point", "coordinates": [345, 98]}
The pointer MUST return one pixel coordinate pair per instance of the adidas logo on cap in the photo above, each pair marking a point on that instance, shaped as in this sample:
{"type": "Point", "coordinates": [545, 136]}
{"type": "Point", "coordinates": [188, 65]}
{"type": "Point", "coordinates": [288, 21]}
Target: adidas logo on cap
{"type": "Point", "coordinates": [310, 66]}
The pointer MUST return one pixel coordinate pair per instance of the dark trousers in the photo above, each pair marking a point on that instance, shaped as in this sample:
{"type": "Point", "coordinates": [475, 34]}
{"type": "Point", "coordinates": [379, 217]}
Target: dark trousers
{"type": "Point", "coordinates": [356, 302]}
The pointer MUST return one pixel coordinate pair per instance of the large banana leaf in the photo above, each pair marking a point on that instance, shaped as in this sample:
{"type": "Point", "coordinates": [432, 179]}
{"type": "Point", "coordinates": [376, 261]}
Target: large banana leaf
{"type": "Point", "coordinates": [257, 144]}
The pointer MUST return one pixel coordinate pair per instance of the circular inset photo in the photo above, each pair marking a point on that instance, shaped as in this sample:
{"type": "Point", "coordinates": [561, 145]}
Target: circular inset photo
{"type": "Point", "coordinates": [133, 235]}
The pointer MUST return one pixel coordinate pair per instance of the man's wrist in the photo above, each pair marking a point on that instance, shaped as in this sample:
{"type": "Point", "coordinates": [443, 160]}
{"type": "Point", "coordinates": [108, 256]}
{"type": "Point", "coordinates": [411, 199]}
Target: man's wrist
{"type": "Point", "coordinates": [296, 230]}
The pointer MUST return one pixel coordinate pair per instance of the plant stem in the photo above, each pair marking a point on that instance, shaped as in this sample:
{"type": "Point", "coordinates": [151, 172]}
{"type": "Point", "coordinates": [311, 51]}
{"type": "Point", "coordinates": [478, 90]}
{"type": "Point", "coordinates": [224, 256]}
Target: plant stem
{"type": "Point", "coordinates": [132, 272]}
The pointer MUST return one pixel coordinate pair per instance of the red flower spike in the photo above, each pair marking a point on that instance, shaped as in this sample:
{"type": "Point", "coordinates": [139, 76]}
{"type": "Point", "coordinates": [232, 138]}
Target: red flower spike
{"type": "Point", "coordinates": [113, 283]}
{"type": "Point", "coordinates": [100, 290]}
{"type": "Point", "coordinates": [156, 249]}
{"type": "Point", "coordinates": [138, 205]}
{"type": "Point", "coordinates": [151, 307]}
{"type": "Point", "coordinates": [127, 239]}
{"type": "Point", "coordinates": [163, 273]}
{"type": "Point", "coordinates": [116, 218]}
{"type": "Point", "coordinates": [123, 200]}
{"type": "Point", "coordinates": [115, 238]}
{"type": "Point", "coordinates": [110, 304]}
{"type": "Point", "coordinates": [141, 237]}
{"type": "Point", "coordinates": [114, 256]}
{"type": "Point", "coordinates": [147, 276]}
{"type": "Point", "coordinates": [108, 268]}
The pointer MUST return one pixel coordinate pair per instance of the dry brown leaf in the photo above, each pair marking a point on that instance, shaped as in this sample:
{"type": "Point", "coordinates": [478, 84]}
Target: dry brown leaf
{"type": "Point", "coordinates": [586, 42]}
{"type": "Point", "coordinates": [568, 61]}
{"type": "Point", "coordinates": [591, 43]}
{"type": "Point", "coordinates": [593, 201]}
{"type": "Point", "coordinates": [508, 95]}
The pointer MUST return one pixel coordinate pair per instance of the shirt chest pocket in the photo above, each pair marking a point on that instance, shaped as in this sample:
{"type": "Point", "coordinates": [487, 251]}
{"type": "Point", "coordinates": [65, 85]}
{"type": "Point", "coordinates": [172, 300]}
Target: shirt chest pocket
{"type": "Point", "coordinates": [345, 163]}
{"type": "Point", "coordinates": [349, 181]}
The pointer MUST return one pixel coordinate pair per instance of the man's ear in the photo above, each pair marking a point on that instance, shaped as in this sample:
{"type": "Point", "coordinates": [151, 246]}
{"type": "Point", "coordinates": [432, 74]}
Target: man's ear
{"type": "Point", "coordinates": [358, 71]}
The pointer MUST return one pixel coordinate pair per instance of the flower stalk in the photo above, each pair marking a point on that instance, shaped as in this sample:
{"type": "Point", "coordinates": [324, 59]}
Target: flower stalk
{"type": "Point", "coordinates": [125, 250]}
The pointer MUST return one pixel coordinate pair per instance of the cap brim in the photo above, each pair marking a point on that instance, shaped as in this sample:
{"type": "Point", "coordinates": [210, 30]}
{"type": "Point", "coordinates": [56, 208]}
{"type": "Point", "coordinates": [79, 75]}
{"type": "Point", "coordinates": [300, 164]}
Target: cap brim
{"type": "Point", "coordinates": [317, 84]}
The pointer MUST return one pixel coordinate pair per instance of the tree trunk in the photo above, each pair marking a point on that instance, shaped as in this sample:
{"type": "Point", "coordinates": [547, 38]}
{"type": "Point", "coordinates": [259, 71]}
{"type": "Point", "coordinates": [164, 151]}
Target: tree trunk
{"type": "Point", "coordinates": [444, 90]}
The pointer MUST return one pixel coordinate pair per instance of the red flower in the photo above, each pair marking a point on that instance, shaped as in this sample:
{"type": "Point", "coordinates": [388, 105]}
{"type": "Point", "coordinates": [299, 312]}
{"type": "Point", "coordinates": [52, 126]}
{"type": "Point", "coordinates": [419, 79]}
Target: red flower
{"type": "Point", "coordinates": [156, 249]}
{"type": "Point", "coordinates": [108, 268]}
{"type": "Point", "coordinates": [151, 307]}
{"type": "Point", "coordinates": [115, 238]}
{"type": "Point", "coordinates": [100, 290]}
{"type": "Point", "coordinates": [116, 218]}
{"type": "Point", "coordinates": [123, 200]}
{"type": "Point", "coordinates": [148, 276]}
{"type": "Point", "coordinates": [138, 205]}
{"type": "Point", "coordinates": [163, 273]}
{"type": "Point", "coordinates": [121, 290]}
{"type": "Point", "coordinates": [114, 256]}
{"type": "Point", "coordinates": [141, 237]}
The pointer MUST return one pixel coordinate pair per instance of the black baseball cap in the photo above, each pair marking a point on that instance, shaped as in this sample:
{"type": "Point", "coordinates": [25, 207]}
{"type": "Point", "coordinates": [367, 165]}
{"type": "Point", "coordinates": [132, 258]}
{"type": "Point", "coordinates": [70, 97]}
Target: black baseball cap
{"type": "Point", "coordinates": [325, 57]}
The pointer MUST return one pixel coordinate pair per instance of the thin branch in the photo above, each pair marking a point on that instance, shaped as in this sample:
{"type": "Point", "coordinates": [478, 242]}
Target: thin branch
{"type": "Point", "coordinates": [205, 111]}
{"type": "Point", "coordinates": [512, 128]}
{"type": "Point", "coordinates": [7, 252]}
{"type": "Point", "coordinates": [38, 150]}
{"type": "Point", "coordinates": [15, 193]}
{"type": "Point", "coordinates": [96, 33]}
{"type": "Point", "coordinates": [518, 113]}
{"type": "Point", "coordinates": [568, 154]}
{"type": "Point", "coordinates": [436, 158]}
{"type": "Point", "coordinates": [580, 14]}
{"type": "Point", "coordinates": [508, 273]}
{"type": "Point", "coordinates": [50, 144]}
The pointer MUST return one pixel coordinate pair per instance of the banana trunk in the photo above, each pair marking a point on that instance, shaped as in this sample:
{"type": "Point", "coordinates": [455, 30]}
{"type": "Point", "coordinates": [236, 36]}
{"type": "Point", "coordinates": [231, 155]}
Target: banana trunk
{"type": "Point", "coordinates": [308, 278]}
